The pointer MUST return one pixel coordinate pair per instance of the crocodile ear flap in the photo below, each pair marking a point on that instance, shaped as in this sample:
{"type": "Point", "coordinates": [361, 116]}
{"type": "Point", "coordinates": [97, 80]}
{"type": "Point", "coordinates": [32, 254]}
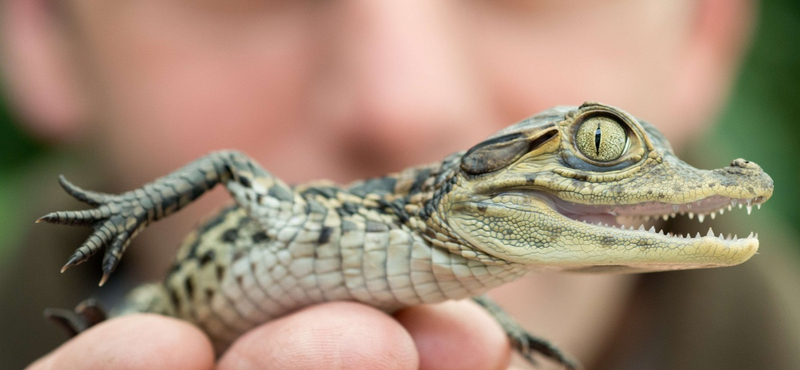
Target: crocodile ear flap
{"type": "Point", "coordinates": [499, 152]}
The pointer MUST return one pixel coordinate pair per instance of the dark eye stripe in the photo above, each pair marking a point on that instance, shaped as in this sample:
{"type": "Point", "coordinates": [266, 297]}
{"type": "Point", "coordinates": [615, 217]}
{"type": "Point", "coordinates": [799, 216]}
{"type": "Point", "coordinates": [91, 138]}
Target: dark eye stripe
{"type": "Point", "coordinates": [495, 141]}
{"type": "Point", "coordinates": [494, 154]}
{"type": "Point", "coordinates": [597, 134]}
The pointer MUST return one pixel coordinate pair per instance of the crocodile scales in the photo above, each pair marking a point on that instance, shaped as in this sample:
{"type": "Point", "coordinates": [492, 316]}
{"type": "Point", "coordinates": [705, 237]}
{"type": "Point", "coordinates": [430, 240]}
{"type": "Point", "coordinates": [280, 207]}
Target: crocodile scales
{"type": "Point", "coordinates": [548, 193]}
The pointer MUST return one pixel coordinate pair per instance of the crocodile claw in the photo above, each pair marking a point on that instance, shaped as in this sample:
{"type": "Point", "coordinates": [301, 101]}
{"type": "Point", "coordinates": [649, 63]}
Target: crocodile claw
{"type": "Point", "coordinates": [526, 343]}
{"type": "Point", "coordinates": [116, 219]}
{"type": "Point", "coordinates": [74, 260]}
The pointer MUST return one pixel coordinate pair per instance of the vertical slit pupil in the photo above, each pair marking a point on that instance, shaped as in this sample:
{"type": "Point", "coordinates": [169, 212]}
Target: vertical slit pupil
{"type": "Point", "coordinates": [597, 139]}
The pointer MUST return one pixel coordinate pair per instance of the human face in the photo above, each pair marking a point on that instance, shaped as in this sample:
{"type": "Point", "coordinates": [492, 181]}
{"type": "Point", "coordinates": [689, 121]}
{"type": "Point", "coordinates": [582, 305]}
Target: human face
{"type": "Point", "coordinates": [355, 88]}
{"type": "Point", "coordinates": [346, 89]}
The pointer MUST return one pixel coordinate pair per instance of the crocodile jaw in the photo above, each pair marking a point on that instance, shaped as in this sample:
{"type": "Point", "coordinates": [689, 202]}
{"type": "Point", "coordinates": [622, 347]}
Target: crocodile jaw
{"type": "Point", "coordinates": [537, 194]}
{"type": "Point", "coordinates": [592, 242]}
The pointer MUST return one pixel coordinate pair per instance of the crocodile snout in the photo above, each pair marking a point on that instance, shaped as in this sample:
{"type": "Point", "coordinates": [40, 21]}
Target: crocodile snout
{"type": "Point", "coordinates": [743, 163]}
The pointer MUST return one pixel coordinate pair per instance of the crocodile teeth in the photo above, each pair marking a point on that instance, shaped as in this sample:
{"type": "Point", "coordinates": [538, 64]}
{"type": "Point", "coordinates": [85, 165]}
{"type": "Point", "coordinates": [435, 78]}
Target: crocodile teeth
{"type": "Point", "coordinates": [630, 217]}
{"type": "Point", "coordinates": [710, 232]}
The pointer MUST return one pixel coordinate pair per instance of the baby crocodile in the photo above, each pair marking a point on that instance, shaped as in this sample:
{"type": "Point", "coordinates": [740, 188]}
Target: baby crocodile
{"type": "Point", "coordinates": [544, 194]}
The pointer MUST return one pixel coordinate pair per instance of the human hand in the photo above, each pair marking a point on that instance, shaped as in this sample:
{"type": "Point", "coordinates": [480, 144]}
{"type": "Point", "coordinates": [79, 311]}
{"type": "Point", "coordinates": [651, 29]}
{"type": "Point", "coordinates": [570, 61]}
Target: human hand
{"type": "Point", "coordinates": [345, 335]}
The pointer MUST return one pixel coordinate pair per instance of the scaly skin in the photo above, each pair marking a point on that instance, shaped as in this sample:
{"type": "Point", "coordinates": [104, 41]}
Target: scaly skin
{"type": "Point", "coordinates": [543, 194]}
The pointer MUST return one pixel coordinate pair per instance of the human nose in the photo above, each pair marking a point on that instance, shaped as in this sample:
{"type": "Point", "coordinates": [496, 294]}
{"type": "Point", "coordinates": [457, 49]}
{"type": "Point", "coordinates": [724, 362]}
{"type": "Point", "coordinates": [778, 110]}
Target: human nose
{"type": "Point", "coordinates": [399, 86]}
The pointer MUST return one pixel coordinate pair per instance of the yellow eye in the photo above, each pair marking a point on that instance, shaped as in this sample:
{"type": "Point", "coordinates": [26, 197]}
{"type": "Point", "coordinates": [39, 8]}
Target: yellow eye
{"type": "Point", "coordinates": [601, 139]}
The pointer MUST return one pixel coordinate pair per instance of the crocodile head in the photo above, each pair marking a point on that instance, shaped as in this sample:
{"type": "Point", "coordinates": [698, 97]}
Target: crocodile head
{"type": "Point", "coordinates": [552, 192]}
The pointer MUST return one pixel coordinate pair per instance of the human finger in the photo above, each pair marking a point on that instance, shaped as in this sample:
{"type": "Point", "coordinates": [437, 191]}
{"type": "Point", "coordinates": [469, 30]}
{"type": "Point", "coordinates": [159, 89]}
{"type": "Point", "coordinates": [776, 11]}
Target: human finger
{"type": "Point", "coordinates": [336, 335]}
{"type": "Point", "coordinates": [456, 335]}
{"type": "Point", "coordinates": [140, 341]}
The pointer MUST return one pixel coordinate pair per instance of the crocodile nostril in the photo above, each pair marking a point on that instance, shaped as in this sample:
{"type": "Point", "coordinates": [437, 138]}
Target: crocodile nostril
{"type": "Point", "coordinates": [743, 163]}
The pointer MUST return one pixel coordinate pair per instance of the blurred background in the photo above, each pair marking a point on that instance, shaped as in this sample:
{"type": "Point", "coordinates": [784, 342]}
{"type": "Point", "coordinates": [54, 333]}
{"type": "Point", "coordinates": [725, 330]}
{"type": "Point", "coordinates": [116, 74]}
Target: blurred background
{"type": "Point", "coordinates": [758, 122]}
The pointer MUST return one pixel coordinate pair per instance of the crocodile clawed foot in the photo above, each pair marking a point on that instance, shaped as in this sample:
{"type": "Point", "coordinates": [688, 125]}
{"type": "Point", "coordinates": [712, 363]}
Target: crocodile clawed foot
{"type": "Point", "coordinates": [87, 314]}
{"type": "Point", "coordinates": [523, 342]}
{"type": "Point", "coordinates": [116, 219]}
{"type": "Point", "coordinates": [527, 344]}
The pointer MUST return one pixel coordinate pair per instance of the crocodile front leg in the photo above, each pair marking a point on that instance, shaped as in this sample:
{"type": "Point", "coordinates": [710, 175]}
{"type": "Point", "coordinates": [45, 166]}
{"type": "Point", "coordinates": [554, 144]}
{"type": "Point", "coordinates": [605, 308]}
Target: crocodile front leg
{"type": "Point", "coordinates": [119, 218]}
{"type": "Point", "coordinates": [277, 209]}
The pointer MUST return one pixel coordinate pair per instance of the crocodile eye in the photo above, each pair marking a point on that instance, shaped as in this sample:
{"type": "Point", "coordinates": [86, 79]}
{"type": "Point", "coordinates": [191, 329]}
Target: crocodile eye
{"type": "Point", "coordinates": [601, 139]}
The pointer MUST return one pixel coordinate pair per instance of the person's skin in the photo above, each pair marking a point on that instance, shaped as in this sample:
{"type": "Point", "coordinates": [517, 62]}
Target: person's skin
{"type": "Point", "coordinates": [343, 90]}
{"type": "Point", "coordinates": [456, 332]}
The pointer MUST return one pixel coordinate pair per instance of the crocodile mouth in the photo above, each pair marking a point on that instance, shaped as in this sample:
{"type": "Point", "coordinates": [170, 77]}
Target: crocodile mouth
{"type": "Point", "coordinates": [638, 216]}
{"type": "Point", "coordinates": [607, 238]}
{"type": "Point", "coordinates": [628, 217]}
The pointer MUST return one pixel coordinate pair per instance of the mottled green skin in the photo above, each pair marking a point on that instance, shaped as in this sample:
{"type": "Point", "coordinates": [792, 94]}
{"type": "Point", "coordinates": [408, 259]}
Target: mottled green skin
{"type": "Point", "coordinates": [448, 230]}
{"type": "Point", "coordinates": [497, 214]}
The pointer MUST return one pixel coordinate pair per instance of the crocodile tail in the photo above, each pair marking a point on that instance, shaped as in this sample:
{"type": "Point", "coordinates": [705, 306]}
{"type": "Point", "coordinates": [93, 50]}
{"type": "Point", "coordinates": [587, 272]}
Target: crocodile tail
{"type": "Point", "coordinates": [88, 313]}
{"type": "Point", "coordinates": [148, 298]}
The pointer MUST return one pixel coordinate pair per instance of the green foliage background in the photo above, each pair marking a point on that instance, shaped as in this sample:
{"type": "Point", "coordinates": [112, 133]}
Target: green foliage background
{"type": "Point", "coordinates": [760, 120]}
{"type": "Point", "coordinates": [17, 150]}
